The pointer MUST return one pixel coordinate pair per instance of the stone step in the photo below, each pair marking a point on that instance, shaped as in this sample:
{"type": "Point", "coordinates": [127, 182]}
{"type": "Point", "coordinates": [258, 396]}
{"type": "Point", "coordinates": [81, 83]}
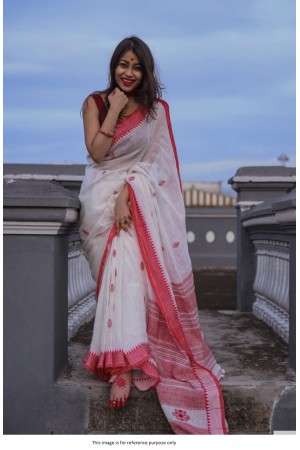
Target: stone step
{"type": "Point", "coordinates": [255, 361]}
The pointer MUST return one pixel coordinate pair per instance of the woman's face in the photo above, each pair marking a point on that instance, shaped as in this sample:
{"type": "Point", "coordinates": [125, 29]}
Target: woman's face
{"type": "Point", "coordinates": [128, 74]}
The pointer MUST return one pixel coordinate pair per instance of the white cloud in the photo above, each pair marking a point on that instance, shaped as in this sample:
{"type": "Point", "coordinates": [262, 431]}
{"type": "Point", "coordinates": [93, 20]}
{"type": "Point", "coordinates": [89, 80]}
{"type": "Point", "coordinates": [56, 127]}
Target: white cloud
{"type": "Point", "coordinates": [46, 118]}
{"type": "Point", "coordinates": [232, 46]}
{"type": "Point", "coordinates": [56, 55]}
{"type": "Point", "coordinates": [215, 166]}
{"type": "Point", "coordinates": [225, 108]}
{"type": "Point", "coordinates": [223, 169]}
{"type": "Point", "coordinates": [25, 67]}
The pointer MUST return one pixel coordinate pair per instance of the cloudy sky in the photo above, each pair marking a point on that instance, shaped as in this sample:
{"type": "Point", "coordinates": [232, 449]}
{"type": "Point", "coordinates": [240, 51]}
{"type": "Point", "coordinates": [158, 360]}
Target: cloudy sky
{"type": "Point", "coordinates": [228, 67]}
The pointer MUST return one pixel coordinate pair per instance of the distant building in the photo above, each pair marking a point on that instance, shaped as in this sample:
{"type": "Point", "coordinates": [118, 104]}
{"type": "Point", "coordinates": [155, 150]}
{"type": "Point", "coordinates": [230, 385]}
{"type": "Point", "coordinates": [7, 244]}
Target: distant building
{"type": "Point", "coordinates": [206, 194]}
{"type": "Point", "coordinates": [211, 186]}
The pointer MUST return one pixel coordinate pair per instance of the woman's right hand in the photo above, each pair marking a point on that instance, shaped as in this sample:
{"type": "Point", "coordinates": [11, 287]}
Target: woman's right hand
{"type": "Point", "coordinates": [123, 218]}
{"type": "Point", "coordinates": [117, 100]}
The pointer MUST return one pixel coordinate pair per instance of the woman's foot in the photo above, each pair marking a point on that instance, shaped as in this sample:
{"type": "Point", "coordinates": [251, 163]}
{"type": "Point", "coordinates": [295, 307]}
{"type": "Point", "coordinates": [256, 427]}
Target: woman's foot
{"type": "Point", "coordinates": [120, 390]}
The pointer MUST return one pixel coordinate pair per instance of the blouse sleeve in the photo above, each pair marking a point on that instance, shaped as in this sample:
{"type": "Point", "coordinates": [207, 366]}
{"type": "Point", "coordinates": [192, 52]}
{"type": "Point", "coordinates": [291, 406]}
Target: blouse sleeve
{"type": "Point", "coordinates": [101, 107]}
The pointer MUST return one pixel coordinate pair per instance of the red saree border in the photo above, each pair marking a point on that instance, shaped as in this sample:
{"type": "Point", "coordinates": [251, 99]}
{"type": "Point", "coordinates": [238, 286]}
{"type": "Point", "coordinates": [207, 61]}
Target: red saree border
{"type": "Point", "coordinates": [168, 117]}
{"type": "Point", "coordinates": [163, 296]}
{"type": "Point", "coordinates": [127, 125]}
{"type": "Point", "coordinates": [154, 270]}
{"type": "Point", "coordinates": [113, 362]}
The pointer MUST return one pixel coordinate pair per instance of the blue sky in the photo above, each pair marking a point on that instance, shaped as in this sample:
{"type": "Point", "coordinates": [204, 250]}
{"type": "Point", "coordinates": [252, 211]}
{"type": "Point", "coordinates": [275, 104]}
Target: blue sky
{"type": "Point", "coordinates": [228, 67]}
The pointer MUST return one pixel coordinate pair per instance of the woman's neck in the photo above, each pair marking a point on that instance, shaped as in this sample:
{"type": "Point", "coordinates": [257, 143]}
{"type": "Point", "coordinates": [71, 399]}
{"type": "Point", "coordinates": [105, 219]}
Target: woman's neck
{"type": "Point", "coordinates": [131, 106]}
{"type": "Point", "coordinates": [130, 94]}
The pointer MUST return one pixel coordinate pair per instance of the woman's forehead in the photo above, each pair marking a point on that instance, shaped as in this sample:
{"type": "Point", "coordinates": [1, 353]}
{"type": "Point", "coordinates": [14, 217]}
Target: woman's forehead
{"type": "Point", "coordinates": [130, 56]}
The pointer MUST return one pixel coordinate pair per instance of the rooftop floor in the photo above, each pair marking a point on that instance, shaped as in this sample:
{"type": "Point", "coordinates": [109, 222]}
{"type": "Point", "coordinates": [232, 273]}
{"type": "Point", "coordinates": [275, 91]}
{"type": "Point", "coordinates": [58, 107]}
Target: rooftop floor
{"type": "Point", "coordinates": [255, 361]}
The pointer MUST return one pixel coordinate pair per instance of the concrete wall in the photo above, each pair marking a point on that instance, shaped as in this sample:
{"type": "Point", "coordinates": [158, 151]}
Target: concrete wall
{"type": "Point", "coordinates": [211, 234]}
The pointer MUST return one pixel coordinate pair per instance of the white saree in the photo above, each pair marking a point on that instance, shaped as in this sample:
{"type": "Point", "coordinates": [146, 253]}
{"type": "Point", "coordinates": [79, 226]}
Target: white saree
{"type": "Point", "coordinates": [147, 317]}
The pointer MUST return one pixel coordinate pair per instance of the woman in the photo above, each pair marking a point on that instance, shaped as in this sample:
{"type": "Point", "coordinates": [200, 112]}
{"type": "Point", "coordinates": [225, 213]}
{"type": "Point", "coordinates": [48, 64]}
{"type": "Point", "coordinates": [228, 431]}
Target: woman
{"type": "Point", "coordinates": [146, 328]}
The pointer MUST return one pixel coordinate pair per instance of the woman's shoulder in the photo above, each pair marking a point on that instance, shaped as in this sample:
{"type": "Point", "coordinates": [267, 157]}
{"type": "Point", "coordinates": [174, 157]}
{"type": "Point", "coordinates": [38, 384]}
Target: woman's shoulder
{"type": "Point", "coordinates": [162, 105]}
{"type": "Point", "coordinates": [96, 98]}
{"type": "Point", "coordinates": [162, 102]}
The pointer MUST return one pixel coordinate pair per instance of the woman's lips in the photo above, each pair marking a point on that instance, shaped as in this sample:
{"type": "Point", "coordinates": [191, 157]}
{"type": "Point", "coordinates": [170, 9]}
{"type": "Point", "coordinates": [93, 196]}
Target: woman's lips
{"type": "Point", "coordinates": [127, 83]}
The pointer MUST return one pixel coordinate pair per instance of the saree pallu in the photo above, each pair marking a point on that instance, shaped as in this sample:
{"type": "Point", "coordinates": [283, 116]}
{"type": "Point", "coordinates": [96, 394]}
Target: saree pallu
{"type": "Point", "coordinates": [147, 317]}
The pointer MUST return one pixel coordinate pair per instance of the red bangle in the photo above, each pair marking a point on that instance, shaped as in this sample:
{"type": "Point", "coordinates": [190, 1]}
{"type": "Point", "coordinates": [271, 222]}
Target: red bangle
{"type": "Point", "coordinates": [105, 133]}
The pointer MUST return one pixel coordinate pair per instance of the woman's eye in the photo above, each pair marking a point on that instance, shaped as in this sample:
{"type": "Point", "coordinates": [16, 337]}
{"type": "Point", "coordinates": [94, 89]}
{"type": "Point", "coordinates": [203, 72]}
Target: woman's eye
{"type": "Point", "coordinates": [138, 68]}
{"type": "Point", "coordinates": [121, 64]}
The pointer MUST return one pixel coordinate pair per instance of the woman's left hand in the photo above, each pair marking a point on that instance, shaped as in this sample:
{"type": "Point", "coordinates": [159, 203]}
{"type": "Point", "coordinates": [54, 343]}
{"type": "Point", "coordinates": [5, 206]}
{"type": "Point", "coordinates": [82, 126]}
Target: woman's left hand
{"type": "Point", "coordinates": [123, 216]}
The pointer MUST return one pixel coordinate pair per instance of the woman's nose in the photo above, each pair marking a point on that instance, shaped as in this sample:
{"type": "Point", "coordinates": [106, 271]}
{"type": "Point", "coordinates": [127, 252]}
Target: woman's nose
{"type": "Point", "coordinates": [128, 71]}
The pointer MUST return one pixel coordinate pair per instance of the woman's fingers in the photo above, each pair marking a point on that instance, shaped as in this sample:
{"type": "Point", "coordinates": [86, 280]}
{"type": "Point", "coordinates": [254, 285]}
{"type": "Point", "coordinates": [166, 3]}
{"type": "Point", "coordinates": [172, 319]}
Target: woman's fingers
{"type": "Point", "coordinates": [117, 227]}
{"type": "Point", "coordinates": [123, 224]}
{"type": "Point", "coordinates": [118, 98]}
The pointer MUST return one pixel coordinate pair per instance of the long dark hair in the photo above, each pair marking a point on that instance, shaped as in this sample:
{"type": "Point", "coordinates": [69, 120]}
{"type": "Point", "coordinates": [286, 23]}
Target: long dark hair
{"type": "Point", "coordinates": [150, 87]}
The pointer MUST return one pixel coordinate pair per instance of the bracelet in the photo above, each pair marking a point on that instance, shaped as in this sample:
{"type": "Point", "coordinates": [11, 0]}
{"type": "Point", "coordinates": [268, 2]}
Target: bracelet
{"type": "Point", "coordinates": [105, 133]}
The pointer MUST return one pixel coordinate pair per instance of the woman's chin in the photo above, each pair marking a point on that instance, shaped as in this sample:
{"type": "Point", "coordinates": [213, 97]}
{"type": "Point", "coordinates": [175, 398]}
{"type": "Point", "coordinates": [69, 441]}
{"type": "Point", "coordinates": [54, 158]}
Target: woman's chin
{"type": "Point", "coordinates": [130, 92]}
{"type": "Point", "coordinates": [127, 89]}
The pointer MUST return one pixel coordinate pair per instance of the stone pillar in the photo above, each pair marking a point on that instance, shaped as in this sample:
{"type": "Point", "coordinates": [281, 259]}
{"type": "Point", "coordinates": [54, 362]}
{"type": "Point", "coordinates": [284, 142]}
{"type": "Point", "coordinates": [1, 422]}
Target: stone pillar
{"type": "Point", "coordinates": [254, 185]}
{"type": "Point", "coordinates": [38, 217]}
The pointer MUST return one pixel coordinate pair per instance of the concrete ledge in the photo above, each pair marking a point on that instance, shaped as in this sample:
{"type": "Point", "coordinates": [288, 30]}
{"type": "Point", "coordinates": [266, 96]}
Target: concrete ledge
{"type": "Point", "coordinates": [39, 170]}
{"type": "Point", "coordinates": [263, 174]}
{"type": "Point", "coordinates": [38, 207]}
{"type": "Point", "coordinates": [283, 415]}
{"type": "Point", "coordinates": [37, 194]}
{"type": "Point", "coordinates": [274, 208]}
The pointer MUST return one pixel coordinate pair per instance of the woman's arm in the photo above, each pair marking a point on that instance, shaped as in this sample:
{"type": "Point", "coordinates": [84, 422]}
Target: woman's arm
{"type": "Point", "coordinates": [97, 143]}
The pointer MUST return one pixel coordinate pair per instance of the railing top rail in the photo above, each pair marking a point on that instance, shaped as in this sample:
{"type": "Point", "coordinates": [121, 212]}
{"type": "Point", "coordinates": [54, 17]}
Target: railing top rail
{"type": "Point", "coordinates": [263, 174]}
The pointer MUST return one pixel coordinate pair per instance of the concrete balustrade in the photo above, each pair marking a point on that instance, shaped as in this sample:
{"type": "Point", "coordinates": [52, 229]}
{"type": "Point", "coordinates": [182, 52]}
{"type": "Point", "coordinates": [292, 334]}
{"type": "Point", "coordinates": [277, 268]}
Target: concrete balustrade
{"type": "Point", "coordinates": [81, 289]}
{"type": "Point", "coordinates": [266, 222]}
{"type": "Point", "coordinates": [271, 285]}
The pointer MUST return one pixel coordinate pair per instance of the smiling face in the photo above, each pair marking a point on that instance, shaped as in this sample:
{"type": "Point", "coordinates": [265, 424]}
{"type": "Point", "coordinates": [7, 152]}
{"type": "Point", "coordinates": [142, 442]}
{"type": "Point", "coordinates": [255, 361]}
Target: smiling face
{"type": "Point", "coordinates": [128, 73]}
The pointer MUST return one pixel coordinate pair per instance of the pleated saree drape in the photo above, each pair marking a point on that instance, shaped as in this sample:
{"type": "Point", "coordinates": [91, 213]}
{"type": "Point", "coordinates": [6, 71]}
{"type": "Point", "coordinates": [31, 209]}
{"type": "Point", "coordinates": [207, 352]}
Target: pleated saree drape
{"type": "Point", "coordinates": [147, 318]}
